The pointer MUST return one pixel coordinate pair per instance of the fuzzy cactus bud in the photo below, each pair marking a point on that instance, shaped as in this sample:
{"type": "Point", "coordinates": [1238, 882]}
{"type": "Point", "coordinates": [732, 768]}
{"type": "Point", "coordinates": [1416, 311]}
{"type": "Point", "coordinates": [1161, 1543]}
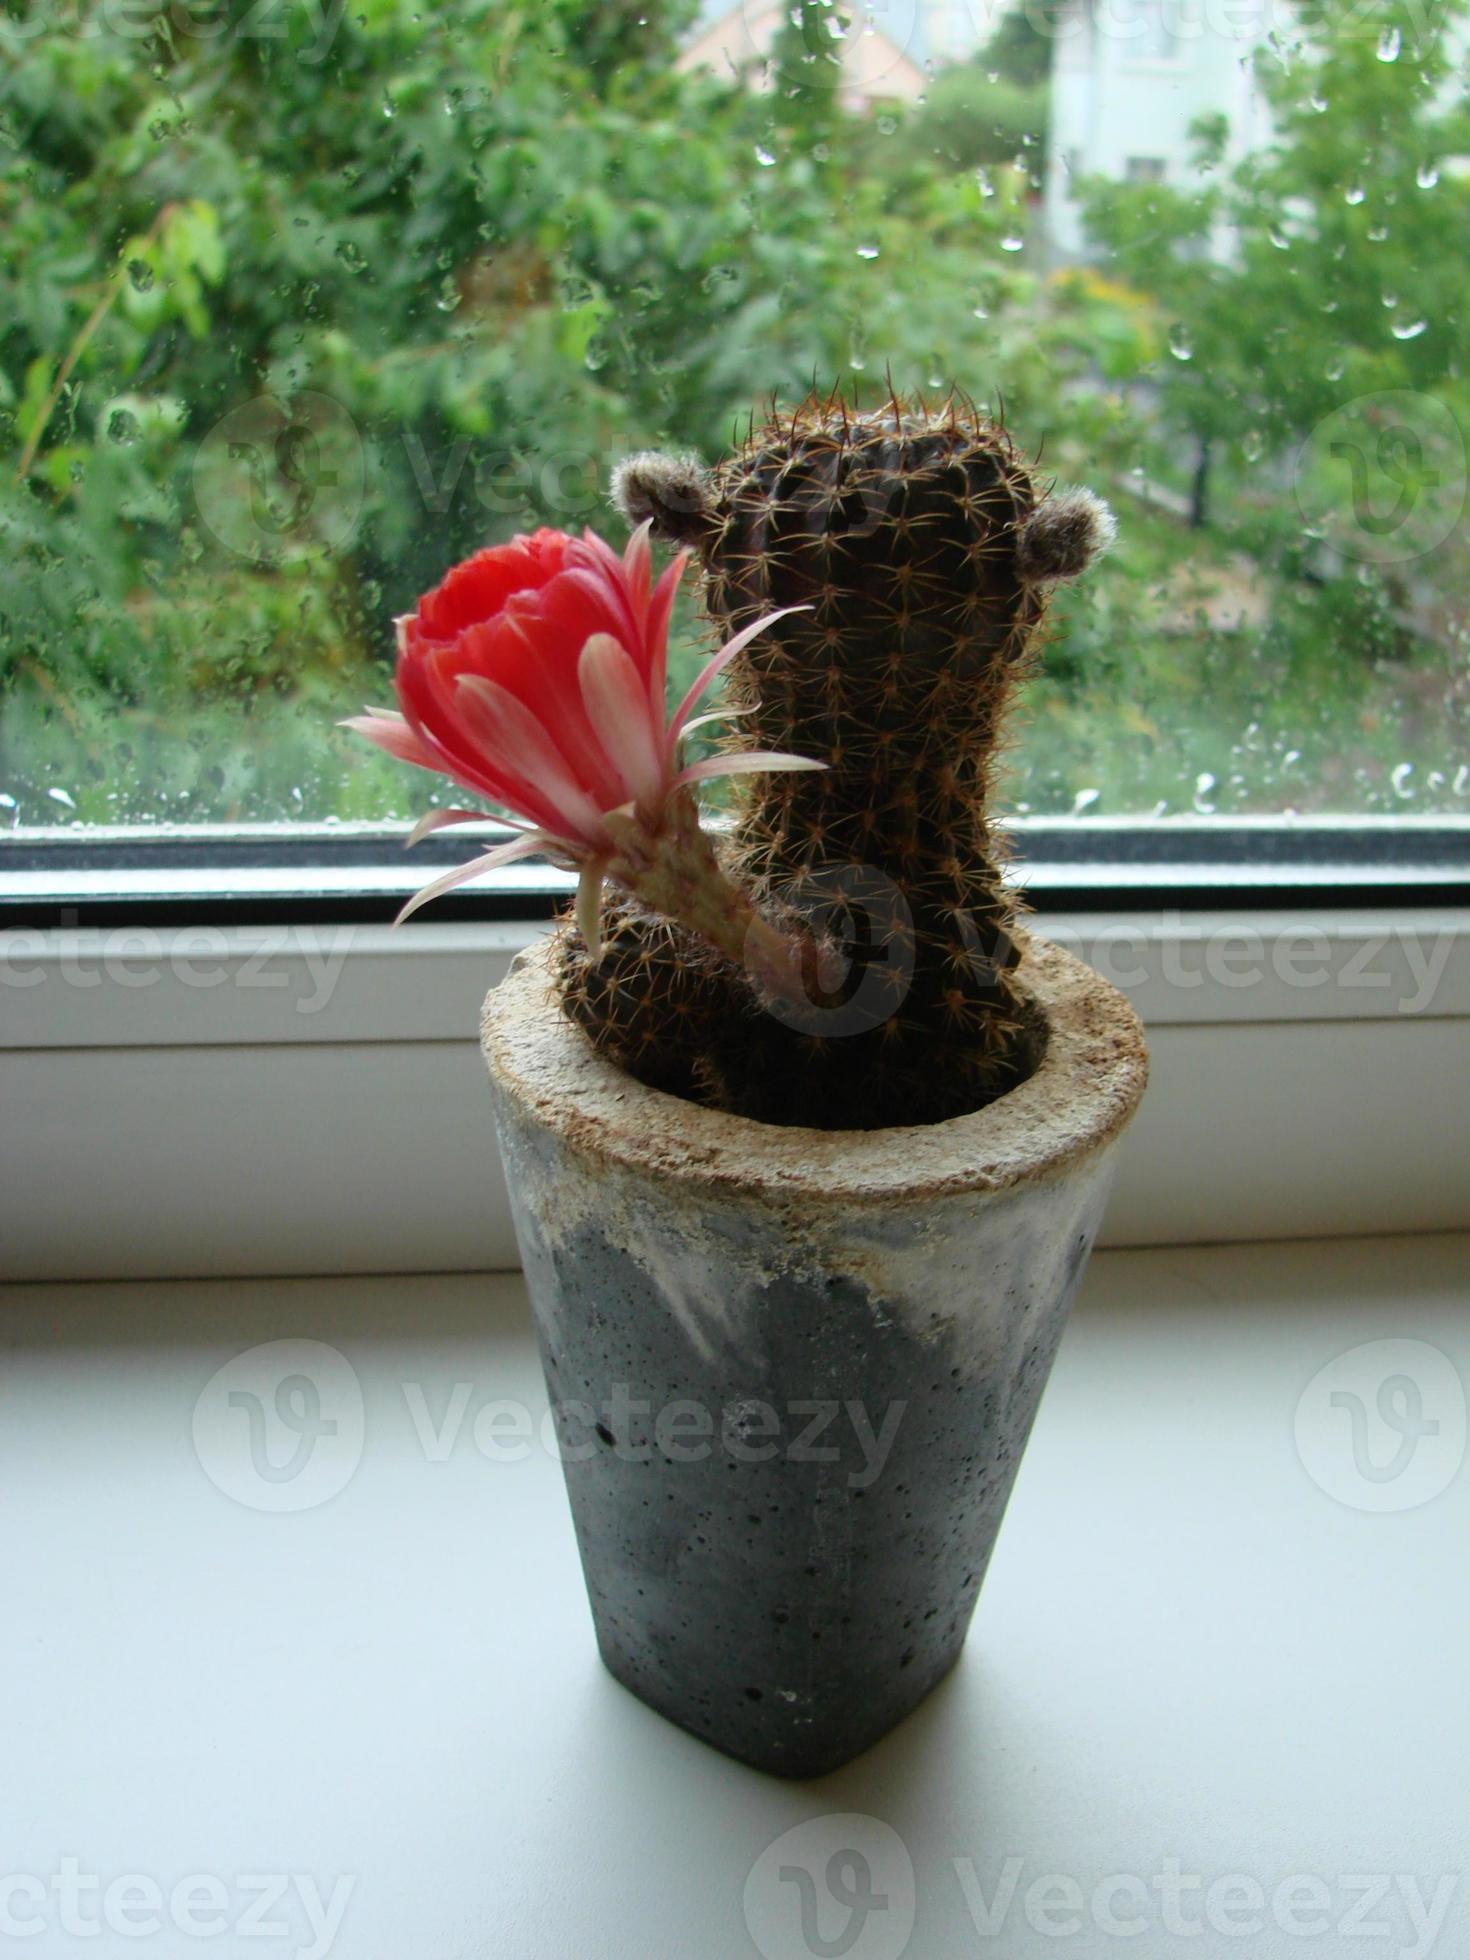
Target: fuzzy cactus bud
{"type": "Point", "coordinates": [672, 494]}
{"type": "Point", "coordinates": [1063, 537]}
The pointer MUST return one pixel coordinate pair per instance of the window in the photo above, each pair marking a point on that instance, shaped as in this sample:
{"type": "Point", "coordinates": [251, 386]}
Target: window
{"type": "Point", "coordinates": [297, 305]}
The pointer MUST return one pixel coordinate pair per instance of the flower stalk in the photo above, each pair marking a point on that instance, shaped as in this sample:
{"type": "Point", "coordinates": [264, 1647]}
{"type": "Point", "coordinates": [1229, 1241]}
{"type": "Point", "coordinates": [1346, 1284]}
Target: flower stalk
{"type": "Point", "coordinates": [670, 865]}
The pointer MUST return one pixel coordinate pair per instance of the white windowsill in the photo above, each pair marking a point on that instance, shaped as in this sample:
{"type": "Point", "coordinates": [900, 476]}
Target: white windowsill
{"type": "Point", "coordinates": [257, 1100]}
{"type": "Point", "coordinates": [1198, 1662]}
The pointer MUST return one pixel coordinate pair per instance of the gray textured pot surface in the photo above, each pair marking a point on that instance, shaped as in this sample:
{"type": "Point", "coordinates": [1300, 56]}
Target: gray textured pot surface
{"type": "Point", "coordinates": [794, 1370]}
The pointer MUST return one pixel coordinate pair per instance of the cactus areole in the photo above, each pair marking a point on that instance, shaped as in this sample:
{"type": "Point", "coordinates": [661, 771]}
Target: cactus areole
{"type": "Point", "coordinates": [799, 1125]}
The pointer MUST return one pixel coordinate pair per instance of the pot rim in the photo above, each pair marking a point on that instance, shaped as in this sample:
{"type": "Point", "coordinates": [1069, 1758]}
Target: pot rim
{"type": "Point", "coordinates": [1080, 1097]}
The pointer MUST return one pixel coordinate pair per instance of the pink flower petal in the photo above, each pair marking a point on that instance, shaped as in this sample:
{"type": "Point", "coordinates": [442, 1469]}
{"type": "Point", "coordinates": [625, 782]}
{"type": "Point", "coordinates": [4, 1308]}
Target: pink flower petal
{"type": "Point", "coordinates": [431, 710]}
{"type": "Point", "coordinates": [596, 566]}
{"type": "Point", "coordinates": [438, 819]}
{"type": "Point", "coordinates": [515, 743]}
{"type": "Point", "coordinates": [638, 568]}
{"type": "Point", "coordinates": [715, 714]}
{"type": "Point", "coordinates": [660, 611]}
{"type": "Point", "coordinates": [518, 847]}
{"type": "Point", "coordinates": [754, 761]}
{"type": "Point", "coordinates": [391, 733]}
{"type": "Point", "coordinates": [617, 706]}
{"type": "Point", "coordinates": [719, 663]}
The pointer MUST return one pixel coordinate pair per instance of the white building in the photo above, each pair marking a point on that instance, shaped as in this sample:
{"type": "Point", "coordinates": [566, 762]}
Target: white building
{"type": "Point", "coordinates": [1129, 77]}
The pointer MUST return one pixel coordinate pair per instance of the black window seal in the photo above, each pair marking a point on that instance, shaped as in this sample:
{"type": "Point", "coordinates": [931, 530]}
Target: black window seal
{"type": "Point", "coordinates": [359, 874]}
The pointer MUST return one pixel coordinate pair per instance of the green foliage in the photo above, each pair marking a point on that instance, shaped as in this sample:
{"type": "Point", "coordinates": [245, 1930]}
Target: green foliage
{"type": "Point", "coordinates": [1020, 49]}
{"type": "Point", "coordinates": [476, 254]}
{"type": "Point", "coordinates": [993, 110]}
{"type": "Point", "coordinates": [1341, 279]}
{"type": "Point", "coordinates": [970, 121]}
{"type": "Point", "coordinates": [297, 305]}
{"type": "Point", "coordinates": [1311, 307]}
{"type": "Point", "coordinates": [806, 72]}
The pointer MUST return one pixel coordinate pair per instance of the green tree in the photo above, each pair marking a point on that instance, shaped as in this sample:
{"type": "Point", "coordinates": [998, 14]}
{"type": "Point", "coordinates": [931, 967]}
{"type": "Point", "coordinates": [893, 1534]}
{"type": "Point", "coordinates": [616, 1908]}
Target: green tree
{"type": "Point", "coordinates": [1316, 270]}
{"type": "Point", "coordinates": [1020, 48]}
{"type": "Point", "coordinates": [477, 253]}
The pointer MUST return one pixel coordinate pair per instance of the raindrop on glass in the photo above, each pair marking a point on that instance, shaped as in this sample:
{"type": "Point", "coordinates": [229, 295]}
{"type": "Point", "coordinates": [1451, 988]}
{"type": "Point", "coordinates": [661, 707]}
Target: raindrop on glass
{"type": "Point", "coordinates": [1355, 193]}
{"type": "Point", "coordinates": [1426, 176]}
{"type": "Point", "coordinates": [1408, 329]}
{"type": "Point", "coordinates": [764, 157]}
{"type": "Point", "coordinates": [867, 251]}
{"type": "Point", "coordinates": [1400, 779]}
{"type": "Point", "coordinates": [1204, 783]}
{"type": "Point", "coordinates": [1084, 800]}
{"type": "Point", "coordinates": [1181, 346]}
{"type": "Point", "coordinates": [1012, 242]}
{"type": "Point", "coordinates": [1389, 43]}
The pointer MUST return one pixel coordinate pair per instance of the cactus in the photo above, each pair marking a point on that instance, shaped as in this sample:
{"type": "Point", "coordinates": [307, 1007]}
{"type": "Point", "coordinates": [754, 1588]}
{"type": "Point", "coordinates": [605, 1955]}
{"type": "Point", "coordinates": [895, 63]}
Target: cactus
{"type": "Point", "coordinates": [919, 544]}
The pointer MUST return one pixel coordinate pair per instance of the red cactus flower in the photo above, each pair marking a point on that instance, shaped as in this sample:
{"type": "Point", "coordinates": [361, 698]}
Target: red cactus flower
{"type": "Point", "coordinates": [534, 676]}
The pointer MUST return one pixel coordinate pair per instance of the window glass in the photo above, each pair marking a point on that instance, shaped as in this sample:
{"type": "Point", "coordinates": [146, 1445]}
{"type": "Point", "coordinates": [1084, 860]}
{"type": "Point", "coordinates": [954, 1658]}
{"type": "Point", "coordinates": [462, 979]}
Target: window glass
{"type": "Point", "coordinates": [301, 301]}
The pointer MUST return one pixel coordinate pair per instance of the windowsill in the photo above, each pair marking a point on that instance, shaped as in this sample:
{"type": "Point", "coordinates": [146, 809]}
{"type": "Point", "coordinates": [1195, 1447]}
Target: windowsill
{"type": "Point", "coordinates": [354, 1693]}
{"type": "Point", "coordinates": [267, 1099]}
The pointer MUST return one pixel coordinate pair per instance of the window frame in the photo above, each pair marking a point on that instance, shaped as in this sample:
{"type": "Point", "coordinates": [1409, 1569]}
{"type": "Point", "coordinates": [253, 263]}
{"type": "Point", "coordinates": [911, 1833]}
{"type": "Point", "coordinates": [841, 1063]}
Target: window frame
{"type": "Point", "coordinates": [342, 874]}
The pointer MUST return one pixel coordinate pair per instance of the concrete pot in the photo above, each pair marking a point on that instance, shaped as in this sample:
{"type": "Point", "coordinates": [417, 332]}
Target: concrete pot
{"type": "Point", "coordinates": [794, 1370]}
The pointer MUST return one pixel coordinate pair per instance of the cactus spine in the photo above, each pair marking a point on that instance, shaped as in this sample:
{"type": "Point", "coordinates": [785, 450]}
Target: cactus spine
{"type": "Point", "coordinates": [918, 541]}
